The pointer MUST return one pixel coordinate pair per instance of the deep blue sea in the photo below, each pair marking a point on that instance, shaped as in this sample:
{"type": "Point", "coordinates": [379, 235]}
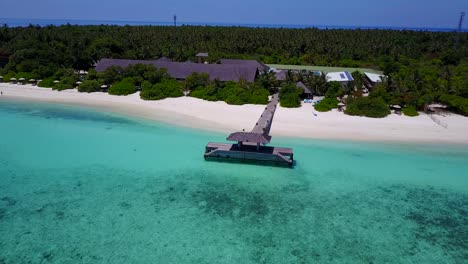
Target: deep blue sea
{"type": "Point", "coordinates": [14, 22]}
{"type": "Point", "coordinates": [82, 185]}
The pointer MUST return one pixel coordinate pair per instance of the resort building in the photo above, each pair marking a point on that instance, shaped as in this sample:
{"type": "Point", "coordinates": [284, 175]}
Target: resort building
{"type": "Point", "coordinates": [226, 70]}
{"type": "Point", "coordinates": [307, 93]}
{"type": "Point", "coordinates": [372, 79]}
{"type": "Point", "coordinates": [280, 75]}
{"type": "Point", "coordinates": [202, 57]}
{"type": "Point", "coordinates": [251, 63]}
{"type": "Point", "coordinates": [342, 77]}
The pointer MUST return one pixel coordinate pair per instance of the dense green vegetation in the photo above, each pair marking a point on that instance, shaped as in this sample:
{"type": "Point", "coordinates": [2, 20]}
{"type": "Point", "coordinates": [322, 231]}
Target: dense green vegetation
{"type": "Point", "coordinates": [235, 93]}
{"type": "Point", "coordinates": [80, 46]}
{"type": "Point", "coordinates": [410, 111]}
{"type": "Point", "coordinates": [124, 87]}
{"type": "Point", "coordinates": [289, 95]}
{"type": "Point", "coordinates": [47, 83]}
{"type": "Point", "coordinates": [422, 67]}
{"type": "Point", "coordinates": [367, 106]}
{"type": "Point", "coordinates": [166, 88]}
{"type": "Point", "coordinates": [457, 103]}
{"type": "Point", "coordinates": [89, 86]}
{"type": "Point", "coordinates": [326, 104]}
{"type": "Point", "coordinates": [67, 82]}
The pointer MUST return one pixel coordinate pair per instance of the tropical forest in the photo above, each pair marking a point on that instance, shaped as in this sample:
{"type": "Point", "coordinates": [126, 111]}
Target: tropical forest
{"type": "Point", "coordinates": [421, 67]}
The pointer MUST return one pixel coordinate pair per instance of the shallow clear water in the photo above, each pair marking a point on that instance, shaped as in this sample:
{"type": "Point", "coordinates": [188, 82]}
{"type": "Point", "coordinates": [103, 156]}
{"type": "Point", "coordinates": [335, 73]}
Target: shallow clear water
{"type": "Point", "coordinates": [80, 186]}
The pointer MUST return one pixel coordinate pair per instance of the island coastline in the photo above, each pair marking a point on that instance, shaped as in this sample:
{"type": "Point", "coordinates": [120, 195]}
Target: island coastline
{"type": "Point", "coordinates": [303, 122]}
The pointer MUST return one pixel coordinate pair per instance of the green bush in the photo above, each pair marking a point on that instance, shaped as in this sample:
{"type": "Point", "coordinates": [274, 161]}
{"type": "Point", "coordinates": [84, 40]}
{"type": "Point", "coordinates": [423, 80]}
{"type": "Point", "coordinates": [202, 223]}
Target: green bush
{"type": "Point", "coordinates": [259, 96]}
{"type": "Point", "coordinates": [8, 76]}
{"type": "Point", "coordinates": [167, 88]}
{"type": "Point", "coordinates": [290, 101]}
{"type": "Point", "coordinates": [47, 83]}
{"type": "Point", "coordinates": [26, 75]}
{"type": "Point", "coordinates": [455, 102]}
{"type": "Point", "coordinates": [289, 96]}
{"type": "Point", "coordinates": [89, 86]}
{"type": "Point", "coordinates": [234, 93]}
{"type": "Point", "coordinates": [69, 80]}
{"type": "Point", "coordinates": [196, 80]}
{"type": "Point", "coordinates": [334, 90]}
{"type": "Point", "coordinates": [112, 74]}
{"type": "Point", "coordinates": [124, 87]}
{"type": "Point", "coordinates": [146, 85]}
{"type": "Point", "coordinates": [367, 106]}
{"type": "Point", "coordinates": [410, 111]}
{"type": "Point", "coordinates": [326, 104]}
{"type": "Point", "coordinates": [62, 86]}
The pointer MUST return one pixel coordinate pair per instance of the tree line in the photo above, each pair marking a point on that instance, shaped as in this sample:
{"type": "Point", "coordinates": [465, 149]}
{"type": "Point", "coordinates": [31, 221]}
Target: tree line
{"type": "Point", "coordinates": [422, 67]}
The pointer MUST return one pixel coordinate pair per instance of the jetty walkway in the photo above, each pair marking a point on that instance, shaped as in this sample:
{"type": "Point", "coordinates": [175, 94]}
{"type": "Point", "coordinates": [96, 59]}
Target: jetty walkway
{"type": "Point", "coordinates": [250, 145]}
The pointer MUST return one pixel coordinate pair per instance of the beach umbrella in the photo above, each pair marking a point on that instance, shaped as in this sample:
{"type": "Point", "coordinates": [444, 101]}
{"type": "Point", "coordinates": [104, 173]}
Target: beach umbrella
{"type": "Point", "coordinates": [341, 104]}
{"type": "Point", "coordinates": [82, 72]}
{"type": "Point", "coordinates": [21, 79]}
{"type": "Point", "coordinates": [1, 77]}
{"type": "Point", "coordinates": [397, 106]}
{"type": "Point", "coordinates": [56, 81]}
{"type": "Point", "coordinates": [78, 82]}
{"type": "Point", "coordinates": [32, 80]}
{"type": "Point", "coordinates": [13, 79]}
{"type": "Point", "coordinates": [430, 106]}
{"type": "Point", "coordinates": [103, 86]}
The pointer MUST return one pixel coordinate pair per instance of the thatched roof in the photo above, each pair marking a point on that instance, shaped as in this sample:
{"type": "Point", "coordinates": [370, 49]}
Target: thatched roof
{"type": "Point", "coordinates": [260, 66]}
{"type": "Point", "coordinates": [280, 75]}
{"type": "Point", "coordinates": [166, 59]}
{"type": "Point", "coordinates": [304, 87]}
{"type": "Point", "coordinates": [249, 137]}
{"type": "Point", "coordinates": [180, 70]}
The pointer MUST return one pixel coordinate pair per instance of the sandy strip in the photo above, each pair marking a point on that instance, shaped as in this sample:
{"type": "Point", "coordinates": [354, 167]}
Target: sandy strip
{"type": "Point", "coordinates": [299, 122]}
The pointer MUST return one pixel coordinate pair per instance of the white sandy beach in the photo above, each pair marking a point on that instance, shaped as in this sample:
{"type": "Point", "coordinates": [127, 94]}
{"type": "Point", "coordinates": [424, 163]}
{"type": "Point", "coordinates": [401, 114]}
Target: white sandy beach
{"type": "Point", "coordinates": [219, 116]}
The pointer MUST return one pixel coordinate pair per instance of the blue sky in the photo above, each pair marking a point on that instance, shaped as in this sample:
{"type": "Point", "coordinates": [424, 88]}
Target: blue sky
{"type": "Point", "coordinates": [397, 13]}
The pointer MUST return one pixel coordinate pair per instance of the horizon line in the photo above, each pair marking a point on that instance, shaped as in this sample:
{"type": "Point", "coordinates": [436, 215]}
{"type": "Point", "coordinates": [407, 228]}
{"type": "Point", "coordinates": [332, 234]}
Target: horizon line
{"type": "Point", "coordinates": [242, 24]}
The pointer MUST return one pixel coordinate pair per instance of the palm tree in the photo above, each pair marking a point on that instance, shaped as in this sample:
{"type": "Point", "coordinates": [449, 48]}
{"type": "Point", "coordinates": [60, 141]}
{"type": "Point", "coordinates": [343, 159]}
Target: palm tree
{"type": "Point", "coordinates": [268, 81]}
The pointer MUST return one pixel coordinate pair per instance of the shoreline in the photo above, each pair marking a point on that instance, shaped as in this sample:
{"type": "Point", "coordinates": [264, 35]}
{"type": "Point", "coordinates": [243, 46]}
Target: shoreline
{"type": "Point", "coordinates": [297, 123]}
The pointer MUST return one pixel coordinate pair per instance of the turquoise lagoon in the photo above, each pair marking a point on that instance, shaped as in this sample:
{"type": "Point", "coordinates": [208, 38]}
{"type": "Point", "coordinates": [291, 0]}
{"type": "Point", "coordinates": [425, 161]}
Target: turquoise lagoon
{"type": "Point", "coordinates": [80, 185]}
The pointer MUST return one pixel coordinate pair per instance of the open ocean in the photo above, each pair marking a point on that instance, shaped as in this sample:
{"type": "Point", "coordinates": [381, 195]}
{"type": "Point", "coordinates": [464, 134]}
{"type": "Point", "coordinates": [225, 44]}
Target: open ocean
{"type": "Point", "coordinates": [78, 185]}
{"type": "Point", "coordinates": [16, 22]}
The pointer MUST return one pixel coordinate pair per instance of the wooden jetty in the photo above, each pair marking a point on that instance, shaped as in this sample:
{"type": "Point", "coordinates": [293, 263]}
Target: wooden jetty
{"type": "Point", "coordinates": [250, 146]}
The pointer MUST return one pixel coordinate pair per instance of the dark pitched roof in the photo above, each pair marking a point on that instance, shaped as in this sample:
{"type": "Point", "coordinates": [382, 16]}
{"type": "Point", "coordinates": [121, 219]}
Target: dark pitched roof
{"type": "Point", "coordinates": [249, 137]}
{"type": "Point", "coordinates": [164, 59]}
{"type": "Point", "coordinates": [202, 54]}
{"type": "Point", "coordinates": [303, 86]}
{"type": "Point", "coordinates": [260, 66]}
{"type": "Point", "coordinates": [280, 75]}
{"type": "Point", "coordinates": [180, 70]}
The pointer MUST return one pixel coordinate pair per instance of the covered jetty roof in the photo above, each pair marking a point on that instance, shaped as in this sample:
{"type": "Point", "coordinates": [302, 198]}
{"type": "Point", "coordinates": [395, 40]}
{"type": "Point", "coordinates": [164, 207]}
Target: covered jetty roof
{"type": "Point", "coordinates": [180, 70]}
{"type": "Point", "coordinates": [249, 137]}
